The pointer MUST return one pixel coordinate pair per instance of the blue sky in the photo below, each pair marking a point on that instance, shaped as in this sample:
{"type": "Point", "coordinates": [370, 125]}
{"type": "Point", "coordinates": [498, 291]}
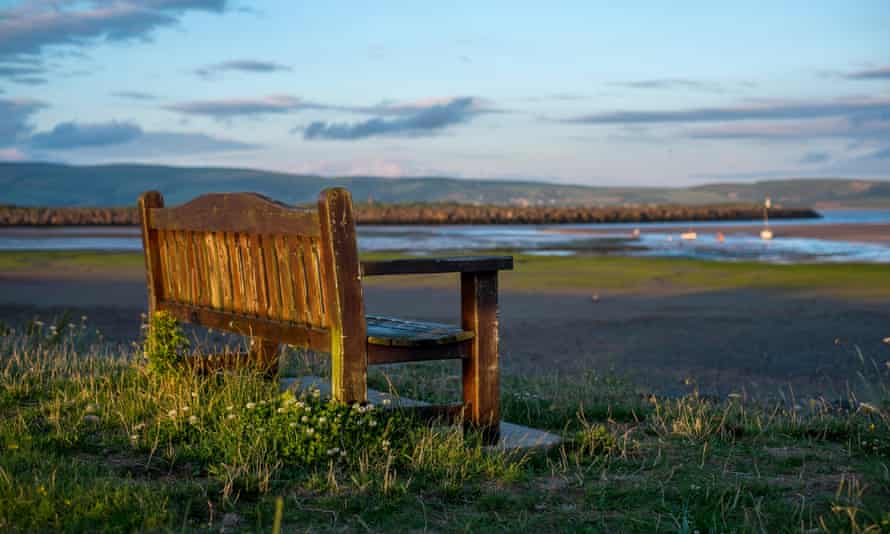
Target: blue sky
{"type": "Point", "coordinates": [652, 93]}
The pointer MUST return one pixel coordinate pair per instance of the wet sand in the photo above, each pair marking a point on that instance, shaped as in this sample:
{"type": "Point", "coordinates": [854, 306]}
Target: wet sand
{"type": "Point", "coordinates": [726, 341]}
{"type": "Point", "coordinates": [857, 233]}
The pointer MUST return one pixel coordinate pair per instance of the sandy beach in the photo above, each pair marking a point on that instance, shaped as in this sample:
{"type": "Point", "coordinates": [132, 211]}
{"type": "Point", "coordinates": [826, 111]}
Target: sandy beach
{"type": "Point", "coordinates": [753, 340]}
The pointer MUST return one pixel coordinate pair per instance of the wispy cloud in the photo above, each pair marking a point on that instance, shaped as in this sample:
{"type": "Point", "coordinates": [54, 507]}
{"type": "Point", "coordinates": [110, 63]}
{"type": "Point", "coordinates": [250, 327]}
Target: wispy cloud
{"type": "Point", "coordinates": [121, 139]}
{"type": "Point", "coordinates": [135, 95]}
{"type": "Point", "coordinates": [881, 73]}
{"type": "Point", "coordinates": [229, 108]}
{"type": "Point", "coordinates": [812, 158]}
{"type": "Point", "coordinates": [413, 120]}
{"type": "Point", "coordinates": [28, 28]}
{"type": "Point", "coordinates": [672, 83]}
{"type": "Point", "coordinates": [16, 124]}
{"type": "Point", "coordinates": [70, 135]}
{"type": "Point", "coordinates": [782, 110]}
{"type": "Point", "coordinates": [860, 128]}
{"type": "Point", "coordinates": [242, 65]}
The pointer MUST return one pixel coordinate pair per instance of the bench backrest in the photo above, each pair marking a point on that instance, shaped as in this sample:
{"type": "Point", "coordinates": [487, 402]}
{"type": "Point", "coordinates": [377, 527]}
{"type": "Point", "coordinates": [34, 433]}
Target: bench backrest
{"type": "Point", "coordinates": [245, 263]}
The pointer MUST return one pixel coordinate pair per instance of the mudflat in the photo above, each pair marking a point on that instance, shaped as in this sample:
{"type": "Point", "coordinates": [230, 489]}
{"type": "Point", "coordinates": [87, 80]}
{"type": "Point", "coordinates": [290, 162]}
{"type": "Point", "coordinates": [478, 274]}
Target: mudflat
{"type": "Point", "coordinates": [763, 341]}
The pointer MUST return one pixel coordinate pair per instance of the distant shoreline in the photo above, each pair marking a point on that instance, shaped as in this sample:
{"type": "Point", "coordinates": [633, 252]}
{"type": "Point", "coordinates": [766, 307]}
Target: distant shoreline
{"type": "Point", "coordinates": [439, 214]}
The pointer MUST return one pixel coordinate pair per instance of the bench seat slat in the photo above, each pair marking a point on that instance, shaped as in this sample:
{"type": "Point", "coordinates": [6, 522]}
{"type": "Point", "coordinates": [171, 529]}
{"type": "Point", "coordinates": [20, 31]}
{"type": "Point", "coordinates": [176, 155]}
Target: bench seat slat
{"type": "Point", "coordinates": [393, 332]}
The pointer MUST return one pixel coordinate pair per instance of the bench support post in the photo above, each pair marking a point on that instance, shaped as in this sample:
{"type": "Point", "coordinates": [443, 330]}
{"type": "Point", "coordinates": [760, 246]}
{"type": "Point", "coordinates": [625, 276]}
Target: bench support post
{"type": "Point", "coordinates": [343, 289]}
{"type": "Point", "coordinates": [264, 354]}
{"type": "Point", "coordinates": [479, 314]}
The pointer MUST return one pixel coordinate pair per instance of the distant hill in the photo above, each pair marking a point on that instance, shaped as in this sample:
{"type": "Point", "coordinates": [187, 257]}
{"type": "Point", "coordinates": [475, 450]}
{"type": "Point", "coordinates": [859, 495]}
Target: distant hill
{"type": "Point", "coordinates": [46, 184]}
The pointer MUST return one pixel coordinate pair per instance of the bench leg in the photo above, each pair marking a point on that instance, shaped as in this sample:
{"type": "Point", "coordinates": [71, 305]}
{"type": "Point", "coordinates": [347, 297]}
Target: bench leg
{"type": "Point", "coordinates": [265, 354]}
{"type": "Point", "coordinates": [479, 313]}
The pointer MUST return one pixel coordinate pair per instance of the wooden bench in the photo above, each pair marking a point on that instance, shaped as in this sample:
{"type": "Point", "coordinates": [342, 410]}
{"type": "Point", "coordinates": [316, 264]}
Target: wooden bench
{"type": "Point", "coordinates": [243, 263]}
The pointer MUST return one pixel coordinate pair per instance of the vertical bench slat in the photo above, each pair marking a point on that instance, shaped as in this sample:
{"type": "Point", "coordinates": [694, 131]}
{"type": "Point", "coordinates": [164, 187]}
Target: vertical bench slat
{"type": "Point", "coordinates": [311, 281]}
{"type": "Point", "coordinates": [200, 263]}
{"type": "Point", "coordinates": [285, 277]}
{"type": "Point", "coordinates": [226, 272]}
{"type": "Point", "coordinates": [182, 285]}
{"type": "Point", "coordinates": [320, 282]}
{"type": "Point", "coordinates": [169, 265]}
{"type": "Point", "coordinates": [213, 278]}
{"type": "Point", "coordinates": [301, 299]}
{"type": "Point", "coordinates": [249, 305]}
{"type": "Point", "coordinates": [273, 283]}
{"type": "Point", "coordinates": [259, 274]}
{"type": "Point", "coordinates": [235, 287]}
{"type": "Point", "coordinates": [195, 293]}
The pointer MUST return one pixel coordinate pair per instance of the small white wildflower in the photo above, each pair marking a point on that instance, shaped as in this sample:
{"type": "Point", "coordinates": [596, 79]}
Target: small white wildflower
{"type": "Point", "coordinates": [333, 451]}
{"type": "Point", "coordinates": [230, 416]}
{"type": "Point", "coordinates": [38, 323]}
{"type": "Point", "coordinates": [310, 431]}
{"type": "Point", "coordinates": [193, 420]}
{"type": "Point", "coordinates": [83, 318]}
{"type": "Point", "coordinates": [735, 396]}
{"type": "Point", "coordinates": [72, 326]}
{"type": "Point", "coordinates": [251, 405]}
{"type": "Point", "coordinates": [229, 408]}
{"type": "Point", "coordinates": [263, 402]}
{"type": "Point", "coordinates": [369, 408]}
{"type": "Point", "coordinates": [290, 402]}
{"type": "Point", "coordinates": [316, 393]}
{"type": "Point", "coordinates": [194, 394]}
{"type": "Point", "coordinates": [185, 408]}
{"type": "Point", "coordinates": [172, 414]}
{"type": "Point", "coordinates": [342, 454]}
{"type": "Point", "coordinates": [301, 404]}
{"type": "Point", "coordinates": [387, 402]}
{"type": "Point", "coordinates": [134, 437]}
{"type": "Point", "coordinates": [308, 409]}
{"type": "Point", "coordinates": [304, 419]}
{"type": "Point", "coordinates": [292, 425]}
{"type": "Point", "coordinates": [322, 420]}
{"type": "Point", "coordinates": [372, 423]}
{"type": "Point", "coordinates": [139, 427]}
{"type": "Point", "coordinates": [280, 410]}
{"type": "Point", "coordinates": [91, 408]}
{"type": "Point", "coordinates": [356, 406]}
{"type": "Point", "coordinates": [887, 340]}
{"type": "Point", "coordinates": [385, 444]}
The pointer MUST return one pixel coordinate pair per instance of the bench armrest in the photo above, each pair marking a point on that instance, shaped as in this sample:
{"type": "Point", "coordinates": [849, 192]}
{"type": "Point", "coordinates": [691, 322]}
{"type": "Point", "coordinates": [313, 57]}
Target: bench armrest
{"type": "Point", "coordinates": [467, 264]}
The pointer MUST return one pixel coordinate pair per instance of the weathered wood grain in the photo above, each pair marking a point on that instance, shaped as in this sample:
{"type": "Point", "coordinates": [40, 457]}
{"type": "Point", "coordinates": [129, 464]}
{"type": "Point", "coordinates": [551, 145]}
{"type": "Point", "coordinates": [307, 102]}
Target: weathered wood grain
{"type": "Point", "coordinates": [153, 271]}
{"type": "Point", "coordinates": [345, 304]}
{"type": "Point", "coordinates": [479, 314]}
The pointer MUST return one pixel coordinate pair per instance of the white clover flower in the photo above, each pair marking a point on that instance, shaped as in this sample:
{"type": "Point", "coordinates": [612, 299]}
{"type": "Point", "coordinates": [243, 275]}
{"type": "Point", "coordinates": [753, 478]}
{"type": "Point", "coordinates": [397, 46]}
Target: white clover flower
{"type": "Point", "coordinates": [292, 425]}
{"type": "Point", "coordinates": [372, 423]}
{"type": "Point", "coordinates": [385, 444]}
{"type": "Point", "coordinates": [280, 410]}
{"type": "Point", "coordinates": [310, 431]}
{"type": "Point", "coordinates": [322, 420]}
{"type": "Point", "coordinates": [387, 402]}
{"type": "Point", "coordinates": [316, 393]}
{"type": "Point", "coordinates": [230, 416]}
{"type": "Point", "coordinates": [263, 402]}
{"type": "Point", "coordinates": [38, 323]}
{"type": "Point", "coordinates": [304, 419]}
{"type": "Point", "coordinates": [134, 437]}
{"type": "Point", "coordinates": [84, 317]}
{"type": "Point", "coordinates": [333, 451]}
{"type": "Point", "coordinates": [251, 405]}
{"type": "Point", "coordinates": [193, 420]}
{"type": "Point", "coordinates": [300, 404]}
{"type": "Point", "coordinates": [308, 408]}
{"type": "Point", "coordinates": [230, 408]}
{"type": "Point", "coordinates": [172, 414]}
{"type": "Point", "coordinates": [342, 454]}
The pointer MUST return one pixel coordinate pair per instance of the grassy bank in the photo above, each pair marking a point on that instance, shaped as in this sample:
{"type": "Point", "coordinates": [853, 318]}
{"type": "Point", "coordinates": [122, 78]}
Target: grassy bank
{"type": "Point", "coordinates": [92, 440]}
{"type": "Point", "coordinates": [543, 274]}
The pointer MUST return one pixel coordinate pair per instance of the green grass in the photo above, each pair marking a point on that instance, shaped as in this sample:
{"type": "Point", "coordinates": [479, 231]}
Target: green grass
{"type": "Point", "coordinates": [89, 441]}
{"type": "Point", "coordinates": [541, 273]}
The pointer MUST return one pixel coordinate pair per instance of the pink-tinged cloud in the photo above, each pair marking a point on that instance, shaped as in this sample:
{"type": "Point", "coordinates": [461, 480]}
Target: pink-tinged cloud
{"type": "Point", "coordinates": [12, 154]}
{"type": "Point", "coordinates": [229, 108]}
